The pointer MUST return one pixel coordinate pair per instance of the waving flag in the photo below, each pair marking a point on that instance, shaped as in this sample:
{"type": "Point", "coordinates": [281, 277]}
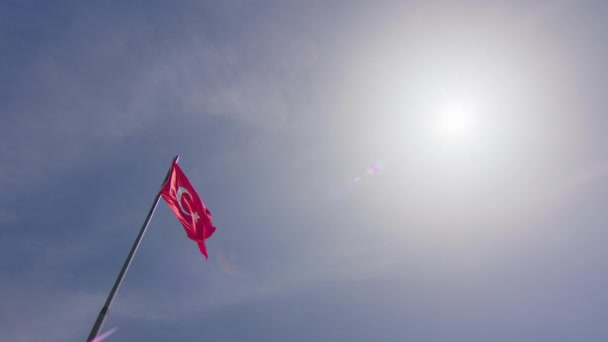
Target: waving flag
{"type": "Point", "coordinates": [188, 207]}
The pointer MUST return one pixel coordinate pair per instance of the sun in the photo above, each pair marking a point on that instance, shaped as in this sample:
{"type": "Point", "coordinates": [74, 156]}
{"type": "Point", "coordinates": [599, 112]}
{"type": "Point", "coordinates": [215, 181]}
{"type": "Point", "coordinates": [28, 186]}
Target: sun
{"type": "Point", "coordinates": [456, 120]}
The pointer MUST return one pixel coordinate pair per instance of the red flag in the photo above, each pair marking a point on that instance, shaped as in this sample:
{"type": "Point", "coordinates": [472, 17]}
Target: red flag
{"type": "Point", "coordinates": [188, 207]}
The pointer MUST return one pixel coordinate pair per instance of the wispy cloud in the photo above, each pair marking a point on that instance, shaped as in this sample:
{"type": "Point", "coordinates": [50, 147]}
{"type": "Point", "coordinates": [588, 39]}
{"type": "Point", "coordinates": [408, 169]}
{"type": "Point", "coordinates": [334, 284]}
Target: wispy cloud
{"type": "Point", "coordinates": [95, 85]}
{"type": "Point", "coordinates": [50, 314]}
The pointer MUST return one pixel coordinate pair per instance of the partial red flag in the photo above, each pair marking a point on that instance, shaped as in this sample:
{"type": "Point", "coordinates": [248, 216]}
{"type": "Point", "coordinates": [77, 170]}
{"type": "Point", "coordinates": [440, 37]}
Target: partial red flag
{"type": "Point", "coordinates": [188, 207]}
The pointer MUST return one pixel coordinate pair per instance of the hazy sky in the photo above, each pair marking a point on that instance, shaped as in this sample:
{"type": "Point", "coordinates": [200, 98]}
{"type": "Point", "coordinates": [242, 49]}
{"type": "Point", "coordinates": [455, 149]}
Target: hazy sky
{"type": "Point", "coordinates": [377, 170]}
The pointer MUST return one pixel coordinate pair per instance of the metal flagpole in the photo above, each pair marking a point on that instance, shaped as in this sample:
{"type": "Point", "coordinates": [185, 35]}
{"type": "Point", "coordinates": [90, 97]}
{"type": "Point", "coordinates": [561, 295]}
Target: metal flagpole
{"type": "Point", "coordinates": [106, 307]}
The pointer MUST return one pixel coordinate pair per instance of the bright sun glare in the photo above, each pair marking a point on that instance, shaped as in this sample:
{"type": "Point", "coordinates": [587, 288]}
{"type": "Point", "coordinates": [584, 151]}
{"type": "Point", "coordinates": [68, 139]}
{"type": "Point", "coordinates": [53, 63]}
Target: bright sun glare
{"type": "Point", "coordinates": [455, 120]}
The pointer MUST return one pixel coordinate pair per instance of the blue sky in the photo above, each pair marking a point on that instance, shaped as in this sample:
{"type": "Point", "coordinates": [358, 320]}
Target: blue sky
{"type": "Point", "coordinates": [316, 134]}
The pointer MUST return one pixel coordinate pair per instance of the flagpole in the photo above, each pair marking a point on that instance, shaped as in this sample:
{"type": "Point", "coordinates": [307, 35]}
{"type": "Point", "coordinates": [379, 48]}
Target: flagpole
{"type": "Point", "coordinates": [106, 307]}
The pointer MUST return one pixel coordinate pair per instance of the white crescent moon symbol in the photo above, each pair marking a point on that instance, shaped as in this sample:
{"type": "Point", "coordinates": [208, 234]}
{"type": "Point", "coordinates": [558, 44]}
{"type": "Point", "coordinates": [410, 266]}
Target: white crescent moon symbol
{"type": "Point", "coordinates": [180, 192]}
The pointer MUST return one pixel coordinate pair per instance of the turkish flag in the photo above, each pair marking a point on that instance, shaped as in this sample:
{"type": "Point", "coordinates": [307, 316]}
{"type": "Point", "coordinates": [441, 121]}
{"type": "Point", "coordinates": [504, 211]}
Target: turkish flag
{"type": "Point", "coordinates": [188, 207]}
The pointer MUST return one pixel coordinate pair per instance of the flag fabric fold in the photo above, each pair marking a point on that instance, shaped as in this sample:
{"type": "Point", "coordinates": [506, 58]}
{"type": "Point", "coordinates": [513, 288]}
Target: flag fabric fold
{"type": "Point", "coordinates": [188, 207]}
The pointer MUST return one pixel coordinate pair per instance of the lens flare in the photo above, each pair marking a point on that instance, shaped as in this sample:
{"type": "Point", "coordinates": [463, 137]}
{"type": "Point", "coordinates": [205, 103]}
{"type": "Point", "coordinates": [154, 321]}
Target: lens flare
{"type": "Point", "coordinates": [104, 335]}
{"type": "Point", "coordinates": [349, 185]}
{"type": "Point", "coordinates": [226, 264]}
